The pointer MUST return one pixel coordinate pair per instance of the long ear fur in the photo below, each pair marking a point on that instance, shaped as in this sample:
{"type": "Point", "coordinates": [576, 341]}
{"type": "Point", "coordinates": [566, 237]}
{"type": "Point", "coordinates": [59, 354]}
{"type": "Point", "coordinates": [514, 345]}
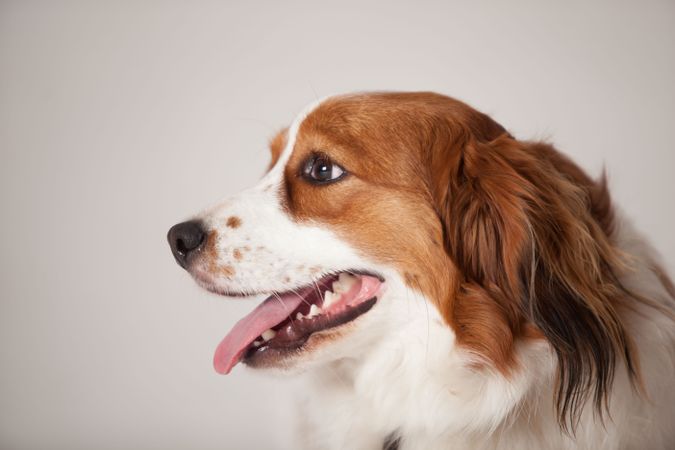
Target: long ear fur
{"type": "Point", "coordinates": [532, 239]}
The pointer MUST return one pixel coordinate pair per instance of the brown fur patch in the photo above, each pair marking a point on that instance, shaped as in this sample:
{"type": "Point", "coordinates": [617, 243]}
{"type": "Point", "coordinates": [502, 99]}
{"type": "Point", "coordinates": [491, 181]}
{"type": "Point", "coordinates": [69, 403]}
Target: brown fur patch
{"type": "Point", "coordinates": [237, 254]}
{"type": "Point", "coordinates": [227, 271]}
{"type": "Point", "coordinates": [522, 224]}
{"type": "Point", "coordinates": [526, 235]}
{"type": "Point", "coordinates": [277, 144]}
{"type": "Point", "coordinates": [233, 222]}
{"type": "Point", "coordinates": [209, 251]}
{"type": "Point", "coordinates": [209, 257]}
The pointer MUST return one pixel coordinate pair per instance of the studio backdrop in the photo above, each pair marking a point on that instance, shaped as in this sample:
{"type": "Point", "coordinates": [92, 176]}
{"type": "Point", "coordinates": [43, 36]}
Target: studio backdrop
{"type": "Point", "coordinates": [119, 119]}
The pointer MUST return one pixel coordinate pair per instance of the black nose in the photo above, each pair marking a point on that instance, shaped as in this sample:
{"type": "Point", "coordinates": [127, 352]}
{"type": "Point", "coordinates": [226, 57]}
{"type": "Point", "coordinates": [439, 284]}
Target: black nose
{"type": "Point", "coordinates": [184, 239]}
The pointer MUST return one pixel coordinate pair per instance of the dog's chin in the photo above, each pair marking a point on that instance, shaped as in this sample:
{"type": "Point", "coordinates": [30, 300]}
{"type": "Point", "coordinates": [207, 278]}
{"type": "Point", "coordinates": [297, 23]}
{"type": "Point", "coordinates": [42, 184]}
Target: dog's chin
{"type": "Point", "coordinates": [299, 328]}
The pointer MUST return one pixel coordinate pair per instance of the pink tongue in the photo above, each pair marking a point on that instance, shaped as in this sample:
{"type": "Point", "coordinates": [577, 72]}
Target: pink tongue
{"type": "Point", "coordinates": [272, 312]}
{"type": "Point", "coordinates": [268, 314]}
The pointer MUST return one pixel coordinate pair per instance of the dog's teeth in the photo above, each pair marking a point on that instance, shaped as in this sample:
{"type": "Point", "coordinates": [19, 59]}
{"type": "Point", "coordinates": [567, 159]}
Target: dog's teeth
{"type": "Point", "coordinates": [347, 279]}
{"type": "Point", "coordinates": [329, 299]}
{"type": "Point", "coordinates": [268, 334]}
{"type": "Point", "coordinates": [299, 316]}
{"type": "Point", "coordinates": [344, 283]}
{"type": "Point", "coordinates": [257, 343]}
{"type": "Point", "coordinates": [313, 311]}
{"type": "Point", "coordinates": [337, 287]}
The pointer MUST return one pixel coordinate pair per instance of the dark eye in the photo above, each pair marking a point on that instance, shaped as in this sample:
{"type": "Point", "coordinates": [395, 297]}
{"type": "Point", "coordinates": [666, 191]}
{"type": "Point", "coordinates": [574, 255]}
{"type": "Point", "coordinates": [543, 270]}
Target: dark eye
{"type": "Point", "coordinates": [320, 169]}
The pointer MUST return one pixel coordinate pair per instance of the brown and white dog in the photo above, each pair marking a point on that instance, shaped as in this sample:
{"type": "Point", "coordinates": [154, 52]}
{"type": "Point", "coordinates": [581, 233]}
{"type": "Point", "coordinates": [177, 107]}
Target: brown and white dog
{"type": "Point", "coordinates": [442, 285]}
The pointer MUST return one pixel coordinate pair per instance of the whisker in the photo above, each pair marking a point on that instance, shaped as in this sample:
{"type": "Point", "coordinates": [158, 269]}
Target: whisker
{"type": "Point", "coordinates": [280, 300]}
{"type": "Point", "coordinates": [290, 314]}
{"type": "Point", "coordinates": [301, 297]}
{"type": "Point", "coordinates": [318, 290]}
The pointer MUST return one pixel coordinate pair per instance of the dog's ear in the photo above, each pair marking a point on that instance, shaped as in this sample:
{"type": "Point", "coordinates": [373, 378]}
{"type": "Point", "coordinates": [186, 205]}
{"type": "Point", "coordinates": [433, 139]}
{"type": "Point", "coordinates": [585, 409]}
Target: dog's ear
{"type": "Point", "coordinates": [277, 145]}
{"type": "Point", "coordinates": [525, 239]}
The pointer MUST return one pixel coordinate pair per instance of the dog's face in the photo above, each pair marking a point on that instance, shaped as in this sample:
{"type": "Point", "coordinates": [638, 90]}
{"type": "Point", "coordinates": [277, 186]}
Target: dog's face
{"type": "Point", "coordinates": [383, 210]}
{"type": "Point", "coordinates": [335, 213]}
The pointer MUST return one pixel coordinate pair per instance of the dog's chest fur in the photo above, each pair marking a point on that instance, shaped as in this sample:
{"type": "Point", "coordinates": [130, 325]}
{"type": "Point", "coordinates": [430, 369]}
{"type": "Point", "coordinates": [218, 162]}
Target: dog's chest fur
{"type": "Point", "coordinates": [416, 392]}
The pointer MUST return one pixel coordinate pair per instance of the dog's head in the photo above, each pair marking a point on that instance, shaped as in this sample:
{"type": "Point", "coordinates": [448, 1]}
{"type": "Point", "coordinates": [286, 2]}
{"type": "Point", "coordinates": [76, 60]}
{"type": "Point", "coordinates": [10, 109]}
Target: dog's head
{"type": "Point", "coordinates": [377, 203]}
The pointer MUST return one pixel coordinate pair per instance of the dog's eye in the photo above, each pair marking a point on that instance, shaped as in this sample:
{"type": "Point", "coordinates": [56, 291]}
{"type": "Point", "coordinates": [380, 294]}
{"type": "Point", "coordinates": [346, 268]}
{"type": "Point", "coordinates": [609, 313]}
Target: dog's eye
{"type": "Point", "coordinates": [320, 169]}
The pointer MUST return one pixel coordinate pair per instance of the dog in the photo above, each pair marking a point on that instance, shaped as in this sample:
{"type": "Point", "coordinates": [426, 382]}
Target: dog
{"type": "Point", "coordinates": [441, 284]}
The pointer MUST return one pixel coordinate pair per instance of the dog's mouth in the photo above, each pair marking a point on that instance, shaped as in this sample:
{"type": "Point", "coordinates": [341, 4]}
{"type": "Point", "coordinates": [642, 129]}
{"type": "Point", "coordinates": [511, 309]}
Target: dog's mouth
{"type": "Point", "coordinates": [282, 324]}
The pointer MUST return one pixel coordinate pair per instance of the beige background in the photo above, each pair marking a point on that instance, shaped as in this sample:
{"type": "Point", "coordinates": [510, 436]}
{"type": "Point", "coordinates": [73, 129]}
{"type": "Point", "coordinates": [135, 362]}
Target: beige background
{"type": "Point", "coordinates": [119, 119]}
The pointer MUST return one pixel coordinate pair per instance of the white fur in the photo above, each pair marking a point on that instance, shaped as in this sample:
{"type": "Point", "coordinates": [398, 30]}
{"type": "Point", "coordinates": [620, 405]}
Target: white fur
{"type": "Point", "coordinates": [417, 384]}
{"type": "Point", "coordinates": [397, 369]}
